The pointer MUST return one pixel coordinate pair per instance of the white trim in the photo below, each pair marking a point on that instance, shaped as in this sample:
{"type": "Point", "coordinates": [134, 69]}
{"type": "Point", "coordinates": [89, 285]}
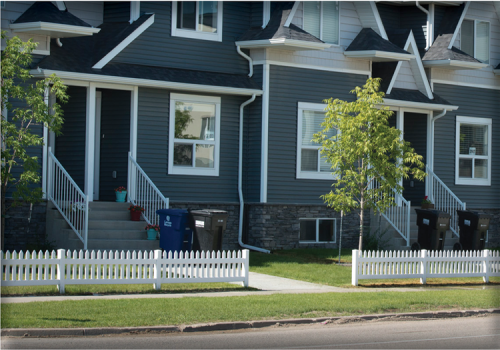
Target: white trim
{"type": "Point", "coordinates": [264, 134]}
{"type": "Point", "coordinates": [458, 83]}
{"type": "Point", "coordinates": [477, 121]}
{"type": "Point", "coordinates": [122, 81]}
{"type": "Point", "coordinates": [430, 28]}
{"type": "Point", "coordinates": [420, 105]}
{"type": "Point", "coordinates": [97, 149]}
{"type": "Point", "coordinates": [299, 44]}
{"type": "Point", "coordinates": [195, 34]}
{"type": "Point", "coordinates": [292, 14]}
{"type": "Point", "coordinates": [459, 25]}
{"type": "Point", "coordinates": [266, 13]}
{"type": "Point", "coordinates": [312, 175]}
{"type": "Point", "coordinates": [135, 10]}
{"type": "Point", "coordinates": [193, 170]}
{"type": "Point", "coordinates": [317, 241]}
{"type": "Point", "coordinates": [45, 146]}
{"type": "Point", "coordinates": [53, 29]}
{"type": "Point", "coordinates": [121, 46]}
{"type": "Point", "coordinates": [429, 159]}
{"type": "Point", "coordinates": [90, 142]}
{"type": "Point", "coordinates": [380, 25]}
{"type": "Point", "coordinates": [134, 117]}
{"type": "Point", "coordinates": [394, 77]}
{"type": "Point", "coordinates": [60, 5]}
{"type": "Point", "coordinates": [454, 63]}
{"type": "Point", "coordinates": [386, 55]}
{"type": "Point", "coordinates": [308, 66]}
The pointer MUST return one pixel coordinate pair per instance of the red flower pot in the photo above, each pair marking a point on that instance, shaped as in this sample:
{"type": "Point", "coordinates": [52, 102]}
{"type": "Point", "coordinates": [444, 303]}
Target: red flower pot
{"type": "Point", "coordinates": [135, 215]}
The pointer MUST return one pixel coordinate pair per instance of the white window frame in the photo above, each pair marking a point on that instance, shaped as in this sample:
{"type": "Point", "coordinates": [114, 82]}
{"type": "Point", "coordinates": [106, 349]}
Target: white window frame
{"type": "Point", "coordinates": [196, 34]}
{"type": "Point", "coordinates": [321, 23]}
{"type": "Point", "coordinates": [478, 121]}
{"type": "Point", "coordinates": [184, 170]}
{"type": "Point", "coordinates": [475, 40]}
{"type": "Point", "coordinates": [318, 107]}
{"type": "Point", "coordinates": [317, 241]}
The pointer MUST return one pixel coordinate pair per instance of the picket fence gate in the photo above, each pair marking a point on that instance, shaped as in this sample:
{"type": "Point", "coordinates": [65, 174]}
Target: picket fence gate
{"type": "Point", "coordinates": [424, 264]}
{"type": "Point", "coordinates": [114, 267]}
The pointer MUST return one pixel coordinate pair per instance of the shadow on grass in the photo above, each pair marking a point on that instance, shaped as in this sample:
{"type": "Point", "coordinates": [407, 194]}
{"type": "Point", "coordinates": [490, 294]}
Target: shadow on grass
{"type": "Point", "coordinates": [66, 319]}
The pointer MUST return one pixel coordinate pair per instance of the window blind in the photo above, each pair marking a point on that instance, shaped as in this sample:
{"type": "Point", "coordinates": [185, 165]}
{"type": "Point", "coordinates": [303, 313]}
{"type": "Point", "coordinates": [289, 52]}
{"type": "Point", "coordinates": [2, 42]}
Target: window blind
{"type": "Point", "coordinates": [312, 22]}
{"type": "Point", "coordinates": [483, 41]}
{"type": "Point", "coordinates": [331, 22]}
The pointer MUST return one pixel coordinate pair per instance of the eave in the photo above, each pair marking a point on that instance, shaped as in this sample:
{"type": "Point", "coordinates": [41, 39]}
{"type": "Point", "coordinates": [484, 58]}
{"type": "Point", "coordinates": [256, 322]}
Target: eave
{"type": "Point", "coordinates": [379, 56]}
{"type": "Point", "coordinates": [454, 64]}
{"type": "Point", "coordinates": [419, 105]}
{"type": "Point", "coordinates": [282, 43]}
{"type": "Point", "coordinates": [54, 30]}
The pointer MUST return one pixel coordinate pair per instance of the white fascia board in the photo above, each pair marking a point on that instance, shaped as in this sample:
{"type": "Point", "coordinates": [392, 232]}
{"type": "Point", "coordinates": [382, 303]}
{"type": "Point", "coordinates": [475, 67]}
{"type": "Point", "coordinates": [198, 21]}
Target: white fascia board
{"type": "Point", "coordinates": [53, 29]}
{"type": "Point", "coordinates": [419, 105]}
{"type": "Point", "coordinates": [380, 25]}
{"type": "Point", "coordinates": [292, 14]}
{"type": "Point", "coordinates": [61, 6]}
{"type": "Point", "coordinates": [96, 78]}
{"type": "Point", "coordinates": [392, 56]}
{"type": "Point", "coordinates": [295, 44]}
{"type": "Point", "coordinates": [119, 48]}
{"type": "Point", "coordinates": [454, 64]}
{"type": "Point", "coordinates": [411, 41]}
{"type": "Point", "coordinates": [459, 24]}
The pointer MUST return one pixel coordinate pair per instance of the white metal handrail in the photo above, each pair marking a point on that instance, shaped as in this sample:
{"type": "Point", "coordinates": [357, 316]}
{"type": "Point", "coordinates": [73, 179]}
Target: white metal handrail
{"type": "Point", "coordinates": [68, 198]}
{"type": "Point", "coordinates": [142, 191]}
{"type": "Point", "coordinates": [444, 199]}
{"type": "Point", "coordinates": [397, 215]}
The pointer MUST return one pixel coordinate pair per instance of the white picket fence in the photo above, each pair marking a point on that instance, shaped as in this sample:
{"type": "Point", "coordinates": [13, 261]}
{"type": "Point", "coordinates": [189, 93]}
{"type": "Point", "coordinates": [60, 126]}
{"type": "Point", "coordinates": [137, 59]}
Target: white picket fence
{"type": "Point", "coordinates": [424, 264]}
{"type": "Point", "coordinates": [90, 267]}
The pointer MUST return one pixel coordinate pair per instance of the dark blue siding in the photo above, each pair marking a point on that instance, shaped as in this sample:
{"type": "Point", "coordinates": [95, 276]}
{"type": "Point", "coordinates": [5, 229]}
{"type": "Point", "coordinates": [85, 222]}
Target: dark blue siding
{"type": "Point", "coordinates": [257, 14]}
{"type": "Point", "coordinates": [156, 47]}
{"type": "Point", "coordinates": [152, 151]}
{"type": "Point", "coordinates": [415, 132]}
{"type": "Point", "coordinates": [390, 16]}
{"type": "Point", "coordinates": [288, 87]}
{"type": "Point", "coordinates": [472, 102]}
{"type": "Point", "coordinates": [439, 12]}
{"type": "Point", "coordinates": [116, 11]}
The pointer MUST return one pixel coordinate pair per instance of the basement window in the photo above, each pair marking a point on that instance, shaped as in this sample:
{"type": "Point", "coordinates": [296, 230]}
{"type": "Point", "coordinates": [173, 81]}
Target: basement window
{"type": "Point", "coordinates": [321, 230]}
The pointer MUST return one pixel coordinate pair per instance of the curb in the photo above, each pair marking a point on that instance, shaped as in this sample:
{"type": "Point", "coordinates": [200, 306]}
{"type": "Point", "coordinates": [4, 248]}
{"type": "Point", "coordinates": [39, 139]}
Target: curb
{"type": "Point", "coordinates": [225, 326]}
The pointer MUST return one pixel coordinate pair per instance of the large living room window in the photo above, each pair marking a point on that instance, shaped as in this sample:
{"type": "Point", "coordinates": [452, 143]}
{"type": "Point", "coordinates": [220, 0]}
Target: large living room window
{"type": "Point", "coordinates": [318, 230]}
{"type": "Point", "coordinates": [310, 164]}
{"type": "Point", "coordinates": [473, 150]}
{"type": "Point", "coordinates": [194, 135]}
{"type": "Point", "coordinates": [197, 19]}
{"type": "Point", "coordinates": [321, 19]}
{"type": "Point", "coordinates": [475, 39]}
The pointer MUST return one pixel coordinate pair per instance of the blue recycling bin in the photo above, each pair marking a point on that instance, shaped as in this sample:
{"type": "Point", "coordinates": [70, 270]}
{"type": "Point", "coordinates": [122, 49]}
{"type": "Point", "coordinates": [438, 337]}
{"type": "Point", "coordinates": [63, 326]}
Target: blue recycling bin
{"type": "Point", "coordinates": [175, 234]}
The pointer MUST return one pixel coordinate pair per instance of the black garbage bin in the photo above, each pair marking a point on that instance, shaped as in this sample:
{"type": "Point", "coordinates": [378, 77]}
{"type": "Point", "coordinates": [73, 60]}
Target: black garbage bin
{"type": "Point", "coordinates": [432, 227]}
{"type": "Point", "coordinates": [175, 233]}
{"type": "Point", "coordinates": [209, 226]}
{"type": "Point", "coordinates": [473, 226]}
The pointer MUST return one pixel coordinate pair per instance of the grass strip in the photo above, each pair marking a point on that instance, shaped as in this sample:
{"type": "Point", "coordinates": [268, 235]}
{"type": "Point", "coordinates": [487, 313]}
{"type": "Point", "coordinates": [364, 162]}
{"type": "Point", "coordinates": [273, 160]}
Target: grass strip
{"type": "Point", "coordinates": [153, 312]}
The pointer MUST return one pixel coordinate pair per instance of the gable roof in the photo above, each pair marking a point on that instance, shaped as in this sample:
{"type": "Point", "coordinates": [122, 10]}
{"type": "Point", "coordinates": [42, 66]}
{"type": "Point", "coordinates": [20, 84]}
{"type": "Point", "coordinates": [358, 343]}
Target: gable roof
{"type": "Point", "coordinates": [414, 98]}
{"type": "Point", "coordinates": [42, 11]}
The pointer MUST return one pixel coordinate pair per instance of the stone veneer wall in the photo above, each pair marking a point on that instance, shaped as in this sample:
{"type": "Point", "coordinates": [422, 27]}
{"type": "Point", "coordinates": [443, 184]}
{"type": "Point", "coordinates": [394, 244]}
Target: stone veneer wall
{"type": "Point", "coordinates": [494, 229]}
{"type": "Point", "coordinates": [17, 236]}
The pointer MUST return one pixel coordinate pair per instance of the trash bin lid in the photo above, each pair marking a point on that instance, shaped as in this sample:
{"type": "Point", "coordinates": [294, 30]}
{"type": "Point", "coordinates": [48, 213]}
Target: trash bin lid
{"type": "Point", "coordinates": [174, 212]}
{"type": "Point", "coordinates": [208, 212]}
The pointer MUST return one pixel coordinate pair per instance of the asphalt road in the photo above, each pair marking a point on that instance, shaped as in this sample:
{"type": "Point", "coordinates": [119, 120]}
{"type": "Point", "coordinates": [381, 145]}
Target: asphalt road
{"type": "Point", "coordinates": [453, 333]}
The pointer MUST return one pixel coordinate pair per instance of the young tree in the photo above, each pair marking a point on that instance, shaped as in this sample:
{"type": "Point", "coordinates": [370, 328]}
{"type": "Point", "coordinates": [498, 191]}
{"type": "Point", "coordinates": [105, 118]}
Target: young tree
{"type": "Point", "coordinates": [17, 136]}
{"type": "Point", "coordinates": [365, 149]}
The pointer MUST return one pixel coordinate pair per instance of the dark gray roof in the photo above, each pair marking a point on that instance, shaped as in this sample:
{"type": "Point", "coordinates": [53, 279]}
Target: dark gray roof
{"type": "Point", "coordinates": [415, 96]}
{"type": "Point", "coordinates": [385, 71]}
{"type": "Point", "coordinates": [367, 40]}
{"type": "Point", "coordinates": [439, 51]}
{"type": "Point", "coordinates": [276, 27]}
{"type": "Point", "coordinates": [42, 11]}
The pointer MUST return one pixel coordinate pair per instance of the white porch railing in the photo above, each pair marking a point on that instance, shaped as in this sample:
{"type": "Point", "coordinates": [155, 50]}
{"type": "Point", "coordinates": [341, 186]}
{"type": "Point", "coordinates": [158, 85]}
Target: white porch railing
{"type": "Point", "coordinates": [444, 199]}
{"type": "Point", "coordinates": [399, 214]}
{"type": "Point", "coordinates": [157, 267]}
{"type": "Point", "coordinates": [68, 198]}
{"type": "Point", "coordinates": [424, 264]}
{"type": "Point", "coordinates": [142, 191]}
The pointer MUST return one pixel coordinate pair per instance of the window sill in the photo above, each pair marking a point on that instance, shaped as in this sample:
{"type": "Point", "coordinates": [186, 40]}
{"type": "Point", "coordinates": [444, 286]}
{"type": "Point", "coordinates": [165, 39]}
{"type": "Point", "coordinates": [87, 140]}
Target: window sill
{"type": "Point", "coordinates": [473, 182]}
{"type": "Point", "coordinates": [172, 170]}
{"type": "Point", "coordinates": [191, 34]}
{"type": "Point", "coordinates": [315, 176]}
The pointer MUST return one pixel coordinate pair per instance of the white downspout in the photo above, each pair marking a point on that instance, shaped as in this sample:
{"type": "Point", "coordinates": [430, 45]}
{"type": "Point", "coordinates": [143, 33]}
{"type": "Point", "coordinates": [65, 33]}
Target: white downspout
{"type": "Point", "coordinates": [240, 181]}
{"type": "Point", "coordinates": [430, 162]}
{"type": "Point", "coordinates": [427, 40]}
{"type": "Point", "coordinates": [58, 41]}
{"type": "Point", "coordinates": [248, 58]}
{"type": "Point", "coordinates": [442, 114]}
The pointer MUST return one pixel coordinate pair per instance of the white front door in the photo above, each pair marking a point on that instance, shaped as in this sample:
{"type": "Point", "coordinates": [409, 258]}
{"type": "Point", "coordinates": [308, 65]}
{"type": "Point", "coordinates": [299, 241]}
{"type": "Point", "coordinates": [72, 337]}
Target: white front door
{"type": "Point", "coordinates": [97, 148]}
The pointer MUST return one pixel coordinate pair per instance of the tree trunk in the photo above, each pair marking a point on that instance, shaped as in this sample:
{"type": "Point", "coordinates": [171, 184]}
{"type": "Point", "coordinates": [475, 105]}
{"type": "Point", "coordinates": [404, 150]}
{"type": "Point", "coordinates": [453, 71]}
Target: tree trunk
{"type": "Point", "coordinates": [361, 224]}
{"type": "Point", "coordinates": [3, 219]}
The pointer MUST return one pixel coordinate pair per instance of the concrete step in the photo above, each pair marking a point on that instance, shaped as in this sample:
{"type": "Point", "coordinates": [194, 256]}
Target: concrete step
{"type": "Point", "coordinates": [95, 214]}
{"type": "Point", "coordinates": [109, 206]}
{"type": "Point", "coordinates": [111, 244]}
{"type": "Point", "coordinates": [111, 234]}
{"type": "Point", "coordinates": [116, 225]}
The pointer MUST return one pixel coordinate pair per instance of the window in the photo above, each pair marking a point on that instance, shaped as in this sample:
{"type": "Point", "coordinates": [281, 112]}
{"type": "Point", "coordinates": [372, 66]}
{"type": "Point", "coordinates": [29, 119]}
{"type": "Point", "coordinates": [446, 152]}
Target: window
{"type": "Point", "coordinates": [321, 19]}
{"type": "Point", "coordinates": [310, 164]}
{"type": "Point", "coordinates": [473, 149]}
{"type": "Point", "coordinates": [475, 39]}
{"type": "Point", "coordinates": [194, 135]}
{"type": "Point", "coordinates": [197, 19]}
{"type": "Point", "coordinates": [318, 231]}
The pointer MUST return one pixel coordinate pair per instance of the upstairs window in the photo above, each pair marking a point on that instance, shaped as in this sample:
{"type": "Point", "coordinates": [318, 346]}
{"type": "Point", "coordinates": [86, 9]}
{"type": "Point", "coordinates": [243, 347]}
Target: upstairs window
{"type": "Point", "coordinates": [475, 39]}
{"type": "Point", "coordinates": [197, 19]}
{"type": "Point", "coordinates": [321, 19]}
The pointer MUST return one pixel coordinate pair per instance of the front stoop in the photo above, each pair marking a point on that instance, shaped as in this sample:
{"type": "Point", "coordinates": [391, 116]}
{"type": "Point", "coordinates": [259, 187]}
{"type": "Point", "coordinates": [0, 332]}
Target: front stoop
{"type": "Point", "coordinates": [110, 228]}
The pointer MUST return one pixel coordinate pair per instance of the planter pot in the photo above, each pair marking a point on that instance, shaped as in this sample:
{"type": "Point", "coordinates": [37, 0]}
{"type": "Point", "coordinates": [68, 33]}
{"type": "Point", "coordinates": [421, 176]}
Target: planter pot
{"type": "Point", "coordinates": [427, 206]}
{"type": "Point", "coordinates": [151, 234]}
{"type": "Point", "coordinates": [120, 196]}
{"type": "Point", "coordinates": [135, 215]}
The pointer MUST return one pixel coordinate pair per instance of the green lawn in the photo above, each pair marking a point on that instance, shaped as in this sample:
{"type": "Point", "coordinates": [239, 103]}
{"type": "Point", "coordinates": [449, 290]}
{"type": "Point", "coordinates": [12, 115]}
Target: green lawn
{"type": "Point", "coordinates": [152, 312]}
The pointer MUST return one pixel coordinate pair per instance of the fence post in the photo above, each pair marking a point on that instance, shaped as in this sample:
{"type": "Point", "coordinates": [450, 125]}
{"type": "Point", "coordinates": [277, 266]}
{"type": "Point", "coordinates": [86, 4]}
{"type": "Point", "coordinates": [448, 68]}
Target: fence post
{"type": "Point", "coordinates": [423, 266]}
{"type": "Point", "coordinates": [246, 263]}
{"type": "Point", "coordinates": [61, 270]}
{"type": "Point", "coordinates": [355, 254]}
{"type": "Point", "coordinates": [486, 266]}
{"type": "Point", "coordinates": [156, 270]}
